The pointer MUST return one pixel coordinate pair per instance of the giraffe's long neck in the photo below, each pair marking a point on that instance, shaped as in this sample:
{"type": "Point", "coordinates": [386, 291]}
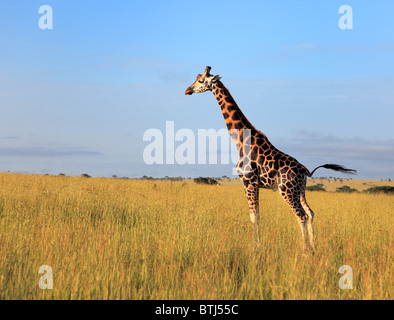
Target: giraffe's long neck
{"type": "Point", "coordinates": [235, 120]}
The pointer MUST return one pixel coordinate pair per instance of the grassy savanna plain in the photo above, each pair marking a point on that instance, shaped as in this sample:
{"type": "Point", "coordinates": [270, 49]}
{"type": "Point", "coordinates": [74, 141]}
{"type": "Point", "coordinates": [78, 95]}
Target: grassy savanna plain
{"type": "Point", "coordinates": [130, 239]}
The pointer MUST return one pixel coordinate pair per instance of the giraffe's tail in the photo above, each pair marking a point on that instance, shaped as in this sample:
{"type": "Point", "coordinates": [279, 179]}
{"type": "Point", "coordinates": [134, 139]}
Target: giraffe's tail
{"type": "Point", "coordinates": [335, 167]}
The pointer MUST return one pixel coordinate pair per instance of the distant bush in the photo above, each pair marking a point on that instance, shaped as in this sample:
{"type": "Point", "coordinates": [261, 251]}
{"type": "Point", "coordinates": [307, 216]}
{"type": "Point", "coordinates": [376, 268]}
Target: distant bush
{"type": "Point", "coordinates": [146, 178]}
{"type": "Point", "coordinates": [176, 178]}
{"type": "Point", "coordinates": [381, 189]}
{"type": "Point", "coordinates": [202, 180]}
{"type": "Point", "coordinates": [346, 189]}
{"type": "Point", "coordinates": [85, 175]}
{"type": "Point", "coordinates": [316, 187]}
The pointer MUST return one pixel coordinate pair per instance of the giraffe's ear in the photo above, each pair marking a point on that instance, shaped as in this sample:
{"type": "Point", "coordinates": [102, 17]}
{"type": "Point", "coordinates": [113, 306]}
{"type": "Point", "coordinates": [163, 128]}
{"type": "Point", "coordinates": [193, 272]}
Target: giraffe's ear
{"type": "Point", "coordinates": [216, 78]}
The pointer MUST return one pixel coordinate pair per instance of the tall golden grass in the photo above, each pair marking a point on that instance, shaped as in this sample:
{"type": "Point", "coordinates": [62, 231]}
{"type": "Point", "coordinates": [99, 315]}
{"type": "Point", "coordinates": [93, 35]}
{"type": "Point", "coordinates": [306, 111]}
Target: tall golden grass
{"type": "Point", "coordinates": [129, 239]}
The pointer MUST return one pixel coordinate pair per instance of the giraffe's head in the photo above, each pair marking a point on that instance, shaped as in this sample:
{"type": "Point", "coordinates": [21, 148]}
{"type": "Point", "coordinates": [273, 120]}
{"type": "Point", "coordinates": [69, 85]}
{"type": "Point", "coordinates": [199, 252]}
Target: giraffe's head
{"type": "Point", "coordinates": [204, 82]}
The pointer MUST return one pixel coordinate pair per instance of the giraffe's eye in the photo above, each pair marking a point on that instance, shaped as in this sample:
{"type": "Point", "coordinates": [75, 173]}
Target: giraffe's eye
{"type": "Point", "coordinates": [201, 81]}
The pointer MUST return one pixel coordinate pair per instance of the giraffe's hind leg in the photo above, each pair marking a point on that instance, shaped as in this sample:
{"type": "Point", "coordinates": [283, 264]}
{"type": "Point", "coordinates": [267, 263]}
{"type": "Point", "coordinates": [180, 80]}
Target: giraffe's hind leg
{"type": "Point", "coordinates": [292, 197]}
{"type": "Point", "coordinates": [309, 221]}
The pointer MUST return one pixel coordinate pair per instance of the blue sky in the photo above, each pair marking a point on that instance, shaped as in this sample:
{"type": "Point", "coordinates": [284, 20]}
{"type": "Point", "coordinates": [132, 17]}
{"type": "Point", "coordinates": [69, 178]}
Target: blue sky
{"type": "Point", "coordinates": [79, 98]}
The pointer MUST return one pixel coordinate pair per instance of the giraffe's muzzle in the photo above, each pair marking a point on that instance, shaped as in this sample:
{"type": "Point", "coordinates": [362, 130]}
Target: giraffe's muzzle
{"type": "Point", "coordinates": [189, 91]}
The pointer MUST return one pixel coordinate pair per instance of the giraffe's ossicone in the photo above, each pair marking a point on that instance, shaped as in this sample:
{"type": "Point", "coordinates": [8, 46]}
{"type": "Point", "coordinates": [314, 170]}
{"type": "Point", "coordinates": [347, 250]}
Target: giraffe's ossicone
{"type": "Point", "coordinates": [260, 164]}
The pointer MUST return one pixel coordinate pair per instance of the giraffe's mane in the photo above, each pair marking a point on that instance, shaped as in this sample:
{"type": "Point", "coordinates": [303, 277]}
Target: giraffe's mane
{"type": "Point", "coordinates": [250, 125]}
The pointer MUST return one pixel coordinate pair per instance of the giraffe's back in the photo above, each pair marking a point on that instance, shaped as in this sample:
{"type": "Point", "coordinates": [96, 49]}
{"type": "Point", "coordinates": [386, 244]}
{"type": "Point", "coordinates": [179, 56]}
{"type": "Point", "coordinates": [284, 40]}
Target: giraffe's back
{"type": "Point", "coordinates": [276, 167]}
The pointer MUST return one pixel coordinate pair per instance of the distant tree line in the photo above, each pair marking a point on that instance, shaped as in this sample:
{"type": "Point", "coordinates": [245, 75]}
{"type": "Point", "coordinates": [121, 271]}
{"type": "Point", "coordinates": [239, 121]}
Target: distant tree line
{"type": "Point", "coordinates": [202, 180]}
{"type": "Point", "coordinates": [346, 189]}
{"type": "Point", "coordinates": [380, 189]}
{"type": "Point", "coordinates": [316, 187]}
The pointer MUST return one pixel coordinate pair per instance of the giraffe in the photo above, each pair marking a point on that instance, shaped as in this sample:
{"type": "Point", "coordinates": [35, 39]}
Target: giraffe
{"type": "Point", "coordinates": [260, 164]}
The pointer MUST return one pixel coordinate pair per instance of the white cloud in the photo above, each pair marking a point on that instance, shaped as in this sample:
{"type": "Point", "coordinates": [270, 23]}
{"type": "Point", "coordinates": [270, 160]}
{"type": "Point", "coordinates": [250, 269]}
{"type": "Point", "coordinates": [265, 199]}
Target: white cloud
{"type": "Point", "coordinates": [45, 152]}
{"type": "Point", "coordinates": [373, 159]}
{"type": "Point", "coordinates": [381, 46]}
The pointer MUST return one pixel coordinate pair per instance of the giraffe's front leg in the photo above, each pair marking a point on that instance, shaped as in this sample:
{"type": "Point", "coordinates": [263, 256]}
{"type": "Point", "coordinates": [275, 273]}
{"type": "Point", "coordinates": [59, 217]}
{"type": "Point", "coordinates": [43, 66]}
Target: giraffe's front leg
{"type": "Point", "coordinates": [252, 193]}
